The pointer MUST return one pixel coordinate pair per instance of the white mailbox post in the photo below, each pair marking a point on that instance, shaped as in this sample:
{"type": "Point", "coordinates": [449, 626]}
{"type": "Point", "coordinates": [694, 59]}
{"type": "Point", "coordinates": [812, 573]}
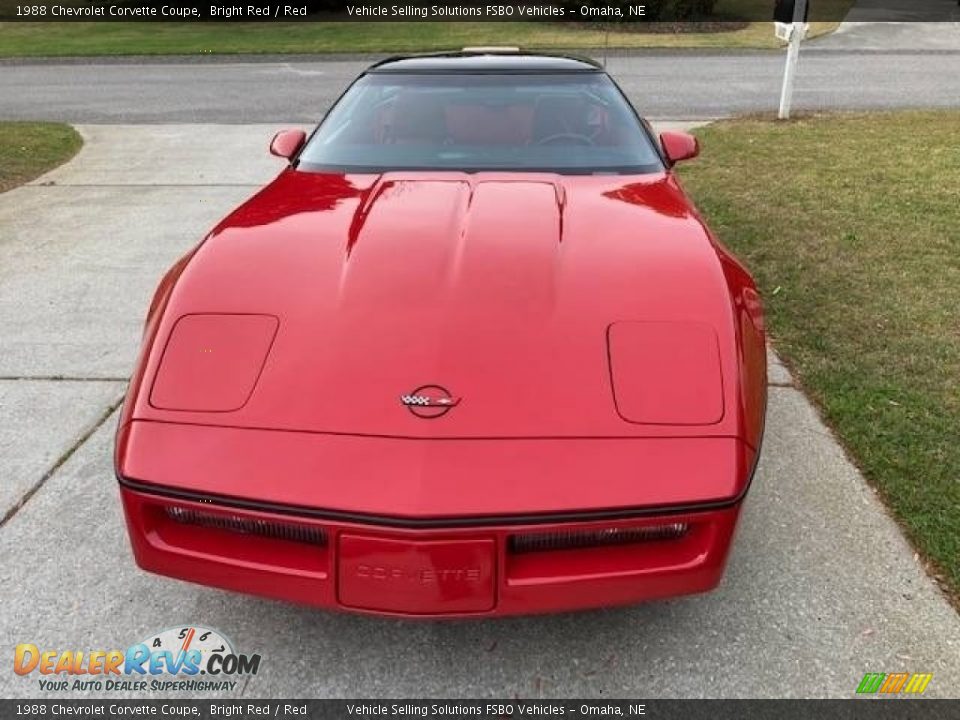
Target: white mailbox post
{"type": "Point", "coordinates": [793, 32]}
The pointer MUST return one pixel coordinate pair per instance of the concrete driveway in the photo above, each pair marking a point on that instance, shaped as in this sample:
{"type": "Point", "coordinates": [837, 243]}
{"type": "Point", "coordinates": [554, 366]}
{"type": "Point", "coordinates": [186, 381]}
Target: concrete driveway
{"type": "Point", "coordinates": [821, 587]}
{"type": "Point", "coordinates": [933, 38]}
{"type": "Point", "coordinates": [931, 12]}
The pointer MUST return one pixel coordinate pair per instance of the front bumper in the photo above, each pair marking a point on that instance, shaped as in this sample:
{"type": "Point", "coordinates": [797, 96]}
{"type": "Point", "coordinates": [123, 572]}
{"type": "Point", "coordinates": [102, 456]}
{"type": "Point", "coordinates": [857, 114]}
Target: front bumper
{"type": "Point", "coordinates": [475, 569]}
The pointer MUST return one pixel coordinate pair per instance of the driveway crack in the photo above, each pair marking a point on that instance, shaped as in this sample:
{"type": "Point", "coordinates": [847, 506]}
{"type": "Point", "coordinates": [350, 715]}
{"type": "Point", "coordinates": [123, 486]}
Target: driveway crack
{"type": "Point", "coordinates": [25, 498]}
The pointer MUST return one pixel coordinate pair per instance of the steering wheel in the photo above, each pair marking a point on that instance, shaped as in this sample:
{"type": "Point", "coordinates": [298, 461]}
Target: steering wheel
{"type": "Point", "coordinates": [582, 139]}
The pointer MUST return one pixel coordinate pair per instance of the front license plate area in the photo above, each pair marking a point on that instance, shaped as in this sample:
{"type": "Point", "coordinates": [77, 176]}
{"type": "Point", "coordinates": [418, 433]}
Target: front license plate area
{"type": "Point", "coordinates": [429, 577]}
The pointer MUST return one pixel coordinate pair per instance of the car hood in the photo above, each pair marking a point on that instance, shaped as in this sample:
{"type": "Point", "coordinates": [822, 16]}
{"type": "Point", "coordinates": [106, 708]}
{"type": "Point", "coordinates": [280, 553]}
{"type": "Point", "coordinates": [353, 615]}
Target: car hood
{"type": "Point", "coordinates": [499, 288]}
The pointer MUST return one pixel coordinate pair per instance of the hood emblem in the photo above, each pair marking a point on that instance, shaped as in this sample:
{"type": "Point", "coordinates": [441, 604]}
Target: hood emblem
{"type": "Point", "coordinates": [429, 401]}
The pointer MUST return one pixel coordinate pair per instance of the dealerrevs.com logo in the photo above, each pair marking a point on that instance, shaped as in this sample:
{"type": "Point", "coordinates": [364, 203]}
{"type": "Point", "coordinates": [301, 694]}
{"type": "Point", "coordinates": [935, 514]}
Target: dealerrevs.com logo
{"type": "Point", "coordinates": [191, 658]}
{"type": "Point", "coordinates": [894, 683]}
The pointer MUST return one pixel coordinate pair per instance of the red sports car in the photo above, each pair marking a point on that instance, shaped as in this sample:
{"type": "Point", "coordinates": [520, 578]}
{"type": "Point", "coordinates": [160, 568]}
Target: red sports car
{"type": "Point", "coordinates": [472, 352]}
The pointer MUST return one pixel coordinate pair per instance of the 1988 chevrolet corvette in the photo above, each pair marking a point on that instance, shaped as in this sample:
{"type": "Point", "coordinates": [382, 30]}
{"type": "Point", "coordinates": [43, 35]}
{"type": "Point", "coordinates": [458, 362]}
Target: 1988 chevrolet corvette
{"type": "Point", "coordinates": [473, 352]}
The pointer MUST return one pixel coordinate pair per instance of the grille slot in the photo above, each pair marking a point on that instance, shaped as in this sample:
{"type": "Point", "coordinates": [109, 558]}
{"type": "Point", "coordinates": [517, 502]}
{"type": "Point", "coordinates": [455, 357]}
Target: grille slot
{"type": "Point", "coordinates": [249, 526]}
{"type": "Point", "coordinates": [601, 537]}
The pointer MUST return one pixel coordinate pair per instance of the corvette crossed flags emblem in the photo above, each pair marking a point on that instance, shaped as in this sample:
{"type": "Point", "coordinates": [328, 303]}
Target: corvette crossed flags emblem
{"type": "Point", "coordinates": [425, 400]}
{"type": "Point", "coordinates": [429, 401]}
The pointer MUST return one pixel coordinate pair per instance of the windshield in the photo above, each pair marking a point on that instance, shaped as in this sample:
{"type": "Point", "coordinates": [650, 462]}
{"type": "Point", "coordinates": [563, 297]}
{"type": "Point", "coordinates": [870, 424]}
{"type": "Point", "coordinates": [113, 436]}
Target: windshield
{"type": "Point", "coordinates": [574, 123]}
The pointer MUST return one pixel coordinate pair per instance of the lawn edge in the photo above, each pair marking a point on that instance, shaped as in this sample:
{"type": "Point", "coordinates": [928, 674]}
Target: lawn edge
{"type": "Point", "coordinates": [931, 566]}
{"type": "Point", "coordinates": [340, 56]}
{"type": "Point", "coordinates": [30, 178]}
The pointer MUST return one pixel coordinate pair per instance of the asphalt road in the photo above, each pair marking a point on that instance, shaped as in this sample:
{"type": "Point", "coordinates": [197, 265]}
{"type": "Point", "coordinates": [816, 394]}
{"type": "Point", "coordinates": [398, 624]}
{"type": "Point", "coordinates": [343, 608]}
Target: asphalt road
{"type": "Point", "coordinates": [661, 84]}
{"type": "Point", "coordinates": [820, 589]}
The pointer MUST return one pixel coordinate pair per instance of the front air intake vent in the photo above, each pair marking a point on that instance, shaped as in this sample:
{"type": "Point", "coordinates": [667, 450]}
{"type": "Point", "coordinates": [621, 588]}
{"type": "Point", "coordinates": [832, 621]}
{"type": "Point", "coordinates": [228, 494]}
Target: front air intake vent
{"type": "Point", "coordinates": [600, 537]}
{"type": "Point", "coordinates": [249, 526]}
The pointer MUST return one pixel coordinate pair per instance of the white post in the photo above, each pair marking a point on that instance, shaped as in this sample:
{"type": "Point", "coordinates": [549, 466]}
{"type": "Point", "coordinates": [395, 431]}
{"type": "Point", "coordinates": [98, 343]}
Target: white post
{"type": "Point", "coordinates": [793, 56]}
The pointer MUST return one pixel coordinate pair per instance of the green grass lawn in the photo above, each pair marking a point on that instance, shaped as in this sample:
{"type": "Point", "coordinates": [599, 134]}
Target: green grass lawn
{"type": "Point", "coordinates": [25, 39]}
{"type": "Point", "coordinates": [851, 224]}
{"type": "Point", "coordinates": [27, 150]}
{"type": "Point", "coordinates": [158, 38]}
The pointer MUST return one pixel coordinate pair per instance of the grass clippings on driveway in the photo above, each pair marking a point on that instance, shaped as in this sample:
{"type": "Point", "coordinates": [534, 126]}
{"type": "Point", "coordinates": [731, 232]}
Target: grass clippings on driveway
{"type": "Point", "coordinates": [851, 224]}
{"type": "Point", "coordinates": [29, 149]}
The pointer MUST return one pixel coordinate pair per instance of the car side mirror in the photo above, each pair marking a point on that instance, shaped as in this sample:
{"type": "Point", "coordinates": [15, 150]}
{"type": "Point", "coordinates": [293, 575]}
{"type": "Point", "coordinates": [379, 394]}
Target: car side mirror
{"type": "Point", "coordinates": [287, 143]}
{"type": "Point", "coordinates": [679, 146]}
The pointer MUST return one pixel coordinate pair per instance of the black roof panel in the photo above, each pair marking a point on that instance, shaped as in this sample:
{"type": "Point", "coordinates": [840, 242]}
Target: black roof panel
{"type": "Point", "coordinates": [485, 62]}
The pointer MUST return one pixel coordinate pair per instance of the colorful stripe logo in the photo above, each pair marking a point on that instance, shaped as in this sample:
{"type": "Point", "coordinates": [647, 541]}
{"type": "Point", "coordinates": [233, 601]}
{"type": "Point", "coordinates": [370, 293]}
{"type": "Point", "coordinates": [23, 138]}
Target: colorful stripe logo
{"type": "Point", "coordinates": [894, 683]}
